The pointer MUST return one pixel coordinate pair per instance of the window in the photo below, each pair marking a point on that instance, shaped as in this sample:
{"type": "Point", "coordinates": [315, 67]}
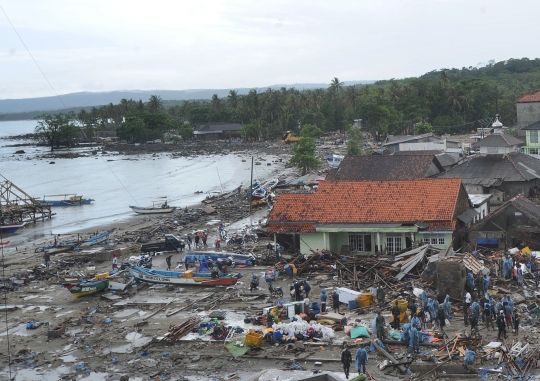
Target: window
{"type": "Point", "coordinates": [533, 137]}
{"type": "Point", "coordinates": [441, 241]}
{"type": "Point", "coordinates": [359, 242]}
{"type": "Point", "coordinates": [393, 243]}
{"type": "Point", "coordinates": [493, 150]}
{"type": "Point", "coordinates": [533, 151]}
{"type": "Point", "coordinates": [434, 241]}
{"type": "Point", "coordinates": [425, 240]}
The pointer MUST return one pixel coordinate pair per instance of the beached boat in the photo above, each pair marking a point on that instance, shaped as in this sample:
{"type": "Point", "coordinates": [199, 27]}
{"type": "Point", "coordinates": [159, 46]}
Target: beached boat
{"type": "Point", "coordinates": [258, 194]}
{"type": "Point", "coordinates": [163, 208]}
{"type": "Point", "coordinates": [120, 283]}
{"type": "Point", "coordinates": [285, 182]}
{"type": "Point", "coordinates": [334, 160]}
{"type": "Point", "coordinates": [10, 229]}
{"type": "Point", "coordinates": [187, 278]}
{"type": "Point", "coordinates": [66, 200]}
{"type": "Point", "coordinates": [86, 288]}
{"type": "Point", "coordinates": [270, 184]}
{"type": "Point", "coordinates": [221, 196]}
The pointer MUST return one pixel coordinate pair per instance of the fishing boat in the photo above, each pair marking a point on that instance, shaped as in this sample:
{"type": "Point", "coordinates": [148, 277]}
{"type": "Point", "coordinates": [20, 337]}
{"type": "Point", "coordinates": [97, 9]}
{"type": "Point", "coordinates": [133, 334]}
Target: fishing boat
{"type": "Point", "coordinates": [334, 160]}
{"type": "Point", "coordinates": [163, 208]}
{"type": "Point", "coordinates": [258, 194]}
{"type": "Point", "coordinates": [285, 182]}
{"type": "Point", "coordinates": [10, 229]}
{"type": "Point", "coordinates": [87, 288]}
{"type": "Point", "coordinates": [120, 283]}
{"type": "Point", "coordinates": [66, 200]}
{"type": "Point", "coordinates": [187, 278]}
{"type": "Point", "coordinates": [270, 184]}
{"type": "Point", "coordinates": [222, 196]}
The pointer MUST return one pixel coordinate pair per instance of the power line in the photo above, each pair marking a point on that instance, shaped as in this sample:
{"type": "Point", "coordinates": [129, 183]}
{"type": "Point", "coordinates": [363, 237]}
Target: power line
{"type": "Point", "coordinates": [33, 59]}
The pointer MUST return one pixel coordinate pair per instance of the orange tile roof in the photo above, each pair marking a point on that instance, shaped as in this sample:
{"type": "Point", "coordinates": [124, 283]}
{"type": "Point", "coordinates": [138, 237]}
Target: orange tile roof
{"type": "Point", "coordinates": [288, 228]}
{"type": "Point", "coordinates": [442, 226]}
{"type": "Point", "coordinates": [532, 97]}
{"type": "Point", "coordinates": [371, 202]}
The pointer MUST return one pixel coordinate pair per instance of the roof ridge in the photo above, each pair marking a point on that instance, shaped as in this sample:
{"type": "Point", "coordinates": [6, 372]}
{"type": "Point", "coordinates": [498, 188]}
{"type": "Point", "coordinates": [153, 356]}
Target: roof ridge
{"type": "Point", "coordinates": [515, 166]}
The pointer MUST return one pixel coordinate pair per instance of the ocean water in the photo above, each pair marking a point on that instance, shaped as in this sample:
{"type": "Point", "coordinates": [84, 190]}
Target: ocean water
{"type": "Point", "coordinates": [116, 182]}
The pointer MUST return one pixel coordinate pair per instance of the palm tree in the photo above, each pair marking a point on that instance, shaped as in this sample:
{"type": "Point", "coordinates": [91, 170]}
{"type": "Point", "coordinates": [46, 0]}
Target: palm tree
{"type": "Point", "coordinates": [232, 99]}
{"type": "Point", "coordinates": [155, 103]}
{"type": "Point", "coordinates": [455, 99]}
{"type": "Point", "coordinates": [352, 98]}
{"type": "Point", "coordinates": [336, 86]}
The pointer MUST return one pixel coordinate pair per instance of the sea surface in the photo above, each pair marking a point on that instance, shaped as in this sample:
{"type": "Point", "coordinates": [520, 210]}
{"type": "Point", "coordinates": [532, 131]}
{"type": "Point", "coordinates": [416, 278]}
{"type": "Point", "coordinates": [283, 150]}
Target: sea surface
{"type": "Point", "coordinates": [116, 182]}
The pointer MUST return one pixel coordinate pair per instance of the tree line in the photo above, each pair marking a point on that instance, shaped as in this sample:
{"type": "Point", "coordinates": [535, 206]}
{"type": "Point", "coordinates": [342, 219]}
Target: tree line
{"type": "Point", "coordinates": [447, 100]}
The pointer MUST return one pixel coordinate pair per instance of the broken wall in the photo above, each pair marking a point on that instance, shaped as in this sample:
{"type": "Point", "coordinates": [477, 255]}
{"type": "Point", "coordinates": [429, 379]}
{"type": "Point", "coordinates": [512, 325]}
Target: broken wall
{"type": "Point", "coordinates": [450, 279]}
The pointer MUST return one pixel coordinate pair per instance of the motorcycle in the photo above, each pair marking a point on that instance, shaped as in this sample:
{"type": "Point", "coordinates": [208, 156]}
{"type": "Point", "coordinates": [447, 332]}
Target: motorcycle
{"type": "Point", "coordinates": [145, 262]}
{"type": "Point", "coordinates": [235, 240]}
{"type": "Point", "coordinates": [251, 237]}
{"type": "Point", "coordinates": [254, 285]}
{"type": "Point", "coordinates": [275, 292]}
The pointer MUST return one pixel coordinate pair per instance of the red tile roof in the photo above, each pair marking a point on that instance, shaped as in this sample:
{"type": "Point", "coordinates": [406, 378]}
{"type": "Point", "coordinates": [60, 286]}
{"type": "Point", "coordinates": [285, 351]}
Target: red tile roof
{"type": "Point", "coordinates": [370, 202]}
{"type": "Point", "coordinates": [441, 226]}
{"type": "Point", "coordinates": [532, 97]}
{"type": "Point", "coordinates": [287, 228]}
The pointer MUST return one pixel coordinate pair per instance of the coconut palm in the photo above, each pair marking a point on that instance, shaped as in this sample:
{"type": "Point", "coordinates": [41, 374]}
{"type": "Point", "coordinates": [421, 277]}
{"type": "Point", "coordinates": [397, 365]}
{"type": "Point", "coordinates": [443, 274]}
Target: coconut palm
{"type": "Point", "coordinates": [155, 103]}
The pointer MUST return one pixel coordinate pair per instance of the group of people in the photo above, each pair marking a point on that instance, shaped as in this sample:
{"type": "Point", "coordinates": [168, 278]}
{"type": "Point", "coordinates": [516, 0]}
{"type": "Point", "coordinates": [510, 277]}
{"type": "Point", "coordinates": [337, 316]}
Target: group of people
{"type": "Point", "coordinates": [361, 358]}
{"type": "Point", "coordinates": [298, 287]}
{"type": "Point", "coordinates": [513, 269]}
{"type": "Point", "coordinates": [198, 241]}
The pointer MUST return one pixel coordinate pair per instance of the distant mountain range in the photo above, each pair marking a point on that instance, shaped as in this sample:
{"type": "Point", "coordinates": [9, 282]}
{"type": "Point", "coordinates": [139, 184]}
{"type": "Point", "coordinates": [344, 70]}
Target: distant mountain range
{"type": "Point", "coordinates": [88, 99]}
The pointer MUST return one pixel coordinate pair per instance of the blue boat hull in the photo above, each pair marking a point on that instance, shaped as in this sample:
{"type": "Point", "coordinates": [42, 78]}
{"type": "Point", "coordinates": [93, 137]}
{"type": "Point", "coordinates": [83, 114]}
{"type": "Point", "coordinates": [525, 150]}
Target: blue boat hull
{"type": "Point", "coordinates": [10, 229]}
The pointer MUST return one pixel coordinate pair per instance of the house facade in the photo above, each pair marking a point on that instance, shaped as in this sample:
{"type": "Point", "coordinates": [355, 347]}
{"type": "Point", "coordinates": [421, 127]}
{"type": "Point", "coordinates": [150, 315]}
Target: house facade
{"type": "Point", "coordinates": [528, 110]}
{"type": "Point", "coordinates": [532, 132]}
{"type": "Point", "coordinates": [498, 144]}
{"type": "Point", "coordinates": [515, 223]}
{"type": "Point", "coordinates": [215, 130]}
{"type": "Point", "coordinates": [372, 216]}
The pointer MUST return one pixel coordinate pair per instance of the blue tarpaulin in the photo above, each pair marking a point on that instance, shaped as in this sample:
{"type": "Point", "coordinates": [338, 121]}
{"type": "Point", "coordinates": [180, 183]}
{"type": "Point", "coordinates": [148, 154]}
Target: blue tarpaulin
{"type": "Point", "coordinates": [487, 241]}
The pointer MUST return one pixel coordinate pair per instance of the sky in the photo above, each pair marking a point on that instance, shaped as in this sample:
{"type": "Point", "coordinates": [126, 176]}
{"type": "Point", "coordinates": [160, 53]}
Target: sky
{"type": "Point", "coordinates": [108, 45]}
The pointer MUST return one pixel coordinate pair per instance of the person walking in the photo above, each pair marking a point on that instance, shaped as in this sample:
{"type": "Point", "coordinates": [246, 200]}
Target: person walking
{"type": "Point", "coordinates": [168, 260]}
{"type": "Point", "coordinates": [487, 316]}
{"type": "Point", "coordinates": [361, 360]}
{"type": "Point", "coordinates": [346, 360]}
{"type": "Point", "coordinates": [379, 325]}
{"type": "Point", "coordinates": [466, 306]}
{"type": "Point", "coordinates": [520, 275]}
{"type": "Point", "coordinates": [197, 239]}
{"type": "Point", "coordinates": [381, 295]}
{"type": "Point", "coordinates": [47, 260]}
{"type": "Point", "coordinates": [307, 288]}
{"type": "Point", "coordinates": [501, 325]}
{"type": "Point", "coordinates": [335, 301]}
{"type": "Point", "coordinates": [114, 263]}
{"type": "Point", "coordinates": [204, 237]}
{"type": "Point", "coordinates": [323, 300]}
{"type": "Point", "coordinates": [516, 322]}
{"type": "Point", "coordinates": [297, 291]}
{"type": "Point", "coordinates": [396, 314]}
{"type": "Point", "coordinates": [189, 241]}
{"type": "Point", "coordinates": [441, 318]}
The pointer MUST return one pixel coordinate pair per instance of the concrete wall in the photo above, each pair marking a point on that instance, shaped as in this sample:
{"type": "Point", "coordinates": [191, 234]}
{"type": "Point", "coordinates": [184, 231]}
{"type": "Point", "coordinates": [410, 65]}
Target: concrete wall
{"type": "Point", "coordinates": [500, 150]}
{"type": "Point", "coordinates": [531, 146]}
{"type": "Point", "coordinates": [527, 113]}
{"type": "Point", "coordinates": [450, 279]}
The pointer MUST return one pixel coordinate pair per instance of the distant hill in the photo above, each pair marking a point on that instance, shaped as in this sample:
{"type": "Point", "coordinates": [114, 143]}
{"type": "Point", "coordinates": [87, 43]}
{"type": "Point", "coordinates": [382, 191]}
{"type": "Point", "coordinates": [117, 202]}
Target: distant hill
{"type": "Point", "coordinates": [90, 99]}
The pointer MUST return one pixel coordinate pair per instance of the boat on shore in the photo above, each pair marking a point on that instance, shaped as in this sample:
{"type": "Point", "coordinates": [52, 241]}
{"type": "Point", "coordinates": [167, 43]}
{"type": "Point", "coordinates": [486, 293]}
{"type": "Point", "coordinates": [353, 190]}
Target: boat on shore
{"type": "Point", "coordinates": [334, 160]}
{"type": "Point", "coordinates": [10, 229]}
{"type": "Point", "coordinates": [86, 288]}
{"type": "Point", "coordinates": [120, 283]}
{"type": "Point", "coordinates": [66, 200]}
{"type": "Point", "coordinates": [186, 278]}
{"type": "Point", "coordinates": [163, 208]}
{"type": "Point", "coordinates": [222, 196]}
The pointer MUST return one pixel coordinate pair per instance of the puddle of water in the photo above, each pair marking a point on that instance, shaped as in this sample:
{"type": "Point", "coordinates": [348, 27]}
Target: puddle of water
{"type": "Point", "coordinates": [126, 312]}
{"type": "Point", "coordinates": [69, 358]}
{"type": "Point", "coordinates": [64, 313]}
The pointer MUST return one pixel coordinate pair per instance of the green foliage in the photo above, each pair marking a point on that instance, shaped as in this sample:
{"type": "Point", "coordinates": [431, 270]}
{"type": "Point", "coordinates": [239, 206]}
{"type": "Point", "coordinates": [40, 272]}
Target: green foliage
{"type": "Point", "coordinates": [186, 132]}
{"type": "Point", "coordinates": [423, 128]}
{"type": "Point", "coordinates": [354, 141]}
{"type": "Point", "coordinates": [304, 155]}
{"type": "Point", "coordinates": [134, 130]}
{"type": "Point", "coordinates": [250, 131]}
{"type": "Point", "coordinates": [310, 131]}
{"type": "Point", "coordinates": [56, 130]}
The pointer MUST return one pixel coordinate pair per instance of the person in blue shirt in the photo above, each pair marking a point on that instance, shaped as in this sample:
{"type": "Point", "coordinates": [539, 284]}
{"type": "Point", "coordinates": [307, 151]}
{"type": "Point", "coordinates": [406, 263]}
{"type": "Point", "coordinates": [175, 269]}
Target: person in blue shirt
{"type": "Point", "coordinates": [415, 322]}
{"type": "Point", "coordinates": [361, 360]}
{"type": "Point", "coordinates": [447, 307]}
{"type": "Point", "coordinates": [413, 342]}
{"type": "Point", "coordinates": [486, 283]}
{"type": "Point", "coordinates": [470, 281]}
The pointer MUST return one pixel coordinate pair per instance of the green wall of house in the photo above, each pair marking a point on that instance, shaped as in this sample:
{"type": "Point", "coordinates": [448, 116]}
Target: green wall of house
{"type": "Point", "coordinates": [532, 146]}
{"type": "Point", "coordinates": [335, 241]}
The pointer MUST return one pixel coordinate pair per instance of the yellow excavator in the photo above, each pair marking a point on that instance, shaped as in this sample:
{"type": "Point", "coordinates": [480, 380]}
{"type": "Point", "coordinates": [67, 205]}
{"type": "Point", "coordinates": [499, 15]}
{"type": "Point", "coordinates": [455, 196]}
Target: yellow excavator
{"type": "Point", "coordinates": [288, 137]}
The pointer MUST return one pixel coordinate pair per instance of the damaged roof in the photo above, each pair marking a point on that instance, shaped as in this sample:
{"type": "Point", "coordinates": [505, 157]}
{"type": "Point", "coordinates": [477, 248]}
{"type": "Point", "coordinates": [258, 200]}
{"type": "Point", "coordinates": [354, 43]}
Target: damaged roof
{"type": "Point", "coordinates": [533, 126]}
{"type": "Point", "coordinates": [519, 202]}
{"type": "Point", "coordinates": [532, 97]}
{"type": "Point", "coordinates": [498, 140]}
{"type": "Point", "coordinates": [377, 168]}
{"type": "Point", "coordinates": [430, 200]}
{"type": "Point", "coordinates": [493, 170]}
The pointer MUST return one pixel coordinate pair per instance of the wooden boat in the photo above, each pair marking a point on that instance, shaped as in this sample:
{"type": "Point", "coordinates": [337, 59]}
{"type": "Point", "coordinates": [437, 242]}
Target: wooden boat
{"type": "Point", "coordinates": [258, 194]}
{"type": "Point", "coordinates": [182, 278]}
{"type": "Point", "coordinates": [67, 200]}
{"type": "Point", "coordinates": [221, 196]}
{"type": "Point", "coordinates": [334, 160]}
{"type": "Point", "coordinates": [86, 288]}
{"type": "Point", "coordinates": [10, 229]}
{"type": "Point", "coordinates": [164, 208]}
{"type": "Point", "coordinates": [120, 283]}
{"type": "Point", "coordinates": [270, 184]}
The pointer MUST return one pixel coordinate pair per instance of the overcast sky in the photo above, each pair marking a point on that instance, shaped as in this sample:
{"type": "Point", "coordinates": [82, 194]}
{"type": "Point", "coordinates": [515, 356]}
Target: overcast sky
{"type": "Point", "coordinates": [95, 45]}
